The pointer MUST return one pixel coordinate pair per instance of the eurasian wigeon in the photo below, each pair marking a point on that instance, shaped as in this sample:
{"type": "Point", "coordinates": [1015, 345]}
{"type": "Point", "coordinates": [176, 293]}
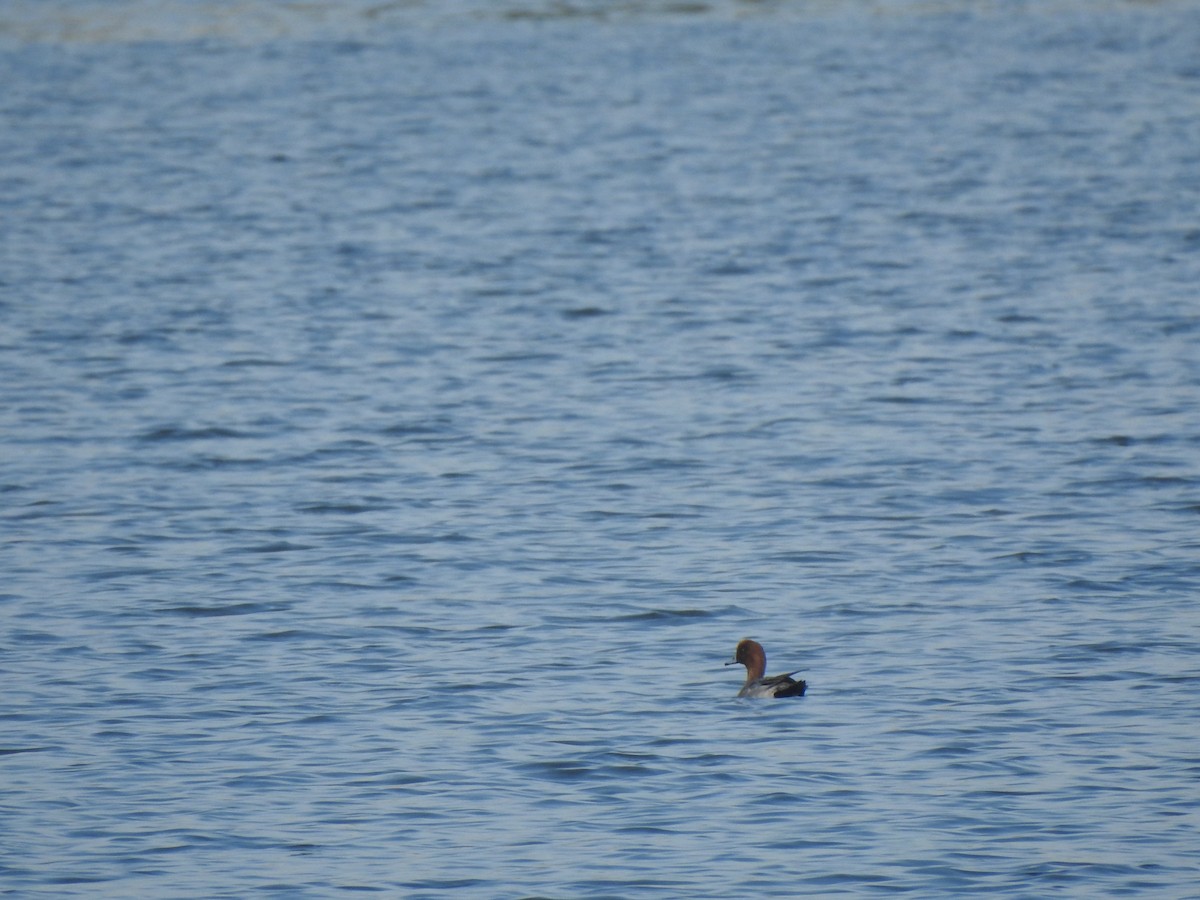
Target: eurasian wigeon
{"type": "Point", "coordinates": [751, 655]}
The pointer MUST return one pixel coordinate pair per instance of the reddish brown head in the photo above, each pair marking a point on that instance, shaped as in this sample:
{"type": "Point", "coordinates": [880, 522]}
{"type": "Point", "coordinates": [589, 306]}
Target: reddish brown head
{"type": "Point", "coordinates": [751, 655]}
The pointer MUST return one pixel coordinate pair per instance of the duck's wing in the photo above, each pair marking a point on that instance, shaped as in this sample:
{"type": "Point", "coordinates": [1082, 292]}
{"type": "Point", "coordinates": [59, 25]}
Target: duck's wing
{"type": "Point", "coordinates": [785, 685]}
{"type": "Point", "coordinates": [775, 686]}
{"type": "Point", "coordinates": [781, 679]}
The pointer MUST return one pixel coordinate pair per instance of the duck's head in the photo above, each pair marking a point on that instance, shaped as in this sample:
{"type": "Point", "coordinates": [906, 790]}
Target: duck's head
{"type": "Point", "coordinates": [751, 655]}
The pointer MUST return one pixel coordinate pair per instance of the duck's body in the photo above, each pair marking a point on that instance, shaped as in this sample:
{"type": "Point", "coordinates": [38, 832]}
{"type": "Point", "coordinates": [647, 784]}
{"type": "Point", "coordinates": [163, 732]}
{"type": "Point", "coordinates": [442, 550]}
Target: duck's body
{"type": "Point", "coordinates": [751, 655]}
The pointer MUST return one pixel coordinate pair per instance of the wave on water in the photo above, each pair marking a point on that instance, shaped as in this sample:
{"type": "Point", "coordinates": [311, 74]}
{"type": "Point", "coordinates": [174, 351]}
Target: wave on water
{"type": "Point", "coordinates": [252, 21]}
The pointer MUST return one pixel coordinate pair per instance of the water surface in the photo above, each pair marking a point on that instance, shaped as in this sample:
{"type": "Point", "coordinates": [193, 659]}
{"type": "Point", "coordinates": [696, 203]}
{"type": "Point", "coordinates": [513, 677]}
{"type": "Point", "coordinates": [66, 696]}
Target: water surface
{"type": "Point", "coordinates": [403, 417]}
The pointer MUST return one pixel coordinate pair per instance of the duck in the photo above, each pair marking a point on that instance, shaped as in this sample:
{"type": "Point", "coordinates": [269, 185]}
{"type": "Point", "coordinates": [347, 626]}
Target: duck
{"type": "Point", "coordinates": [751, 655]}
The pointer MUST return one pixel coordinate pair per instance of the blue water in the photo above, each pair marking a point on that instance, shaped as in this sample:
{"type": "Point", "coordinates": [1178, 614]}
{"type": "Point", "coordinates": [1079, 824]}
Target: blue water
{"type": "Point", "coordinates": [404, 410]}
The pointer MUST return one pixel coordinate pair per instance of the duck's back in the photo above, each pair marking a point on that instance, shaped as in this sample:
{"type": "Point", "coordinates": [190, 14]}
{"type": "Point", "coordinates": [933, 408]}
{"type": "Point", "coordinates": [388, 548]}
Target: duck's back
{"type": "Point", "coordinates": [775, 686]}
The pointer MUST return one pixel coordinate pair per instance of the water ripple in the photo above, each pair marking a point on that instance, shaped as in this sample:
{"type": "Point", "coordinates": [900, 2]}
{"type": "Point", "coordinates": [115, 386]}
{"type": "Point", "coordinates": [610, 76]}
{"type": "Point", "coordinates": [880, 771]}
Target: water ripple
{"type": "Point", "coordinates": [403, 424]}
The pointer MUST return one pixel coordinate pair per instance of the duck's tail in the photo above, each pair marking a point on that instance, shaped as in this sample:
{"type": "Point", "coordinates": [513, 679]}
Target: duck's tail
{"type": "Point", "coordinates": [795, 689]}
